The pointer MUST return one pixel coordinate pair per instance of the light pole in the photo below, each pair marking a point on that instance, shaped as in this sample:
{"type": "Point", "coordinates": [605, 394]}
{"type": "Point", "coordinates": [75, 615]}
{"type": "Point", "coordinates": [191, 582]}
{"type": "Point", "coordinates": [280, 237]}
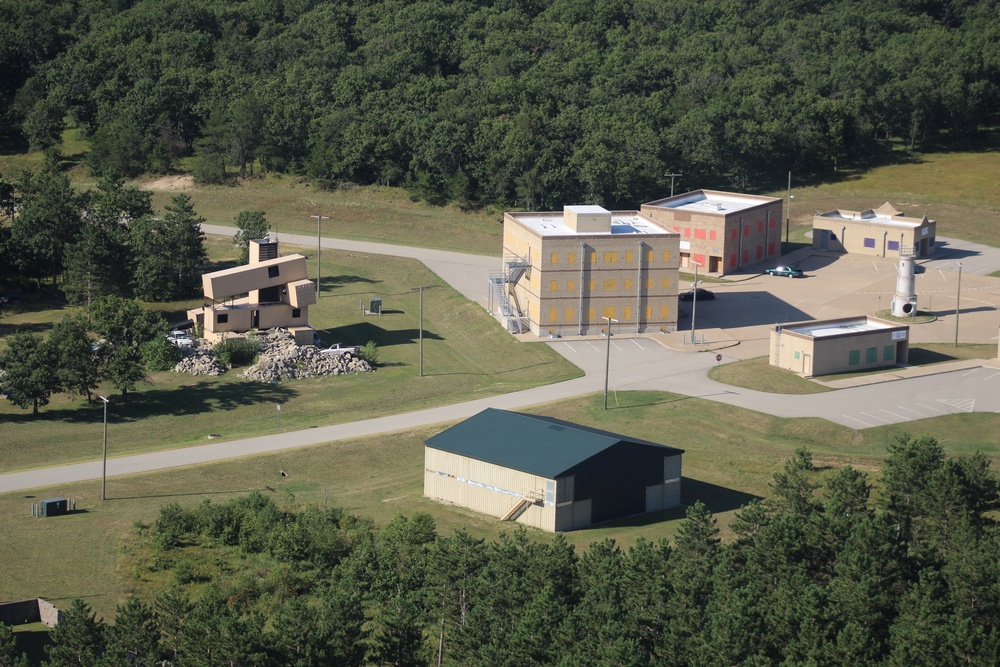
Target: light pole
{"type": "Point", "coordinates": [958, 300]}
{"type": "Point", "coordinates": [319, 219]}
{"type": "Point", "coordinates": [421, 334]}
{"type": "Point", "coordinates": [694, 298]}
{"type": "Point", "coordinates": [607, 363]}
{"type": "Point", "coordinates": [104, 469]}
{"type": "Point", "coordinates": [278, 405]}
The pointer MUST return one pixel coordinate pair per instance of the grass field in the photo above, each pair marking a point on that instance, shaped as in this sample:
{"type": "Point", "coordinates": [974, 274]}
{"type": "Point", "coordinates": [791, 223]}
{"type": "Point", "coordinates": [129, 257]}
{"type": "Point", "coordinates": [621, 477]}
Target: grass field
{"type": "Point", "coordinates": [730, 456]}
{"type": "Point", "coordinates": [466, 356]}
{"type": "Point", "coordinates": [959, 190]}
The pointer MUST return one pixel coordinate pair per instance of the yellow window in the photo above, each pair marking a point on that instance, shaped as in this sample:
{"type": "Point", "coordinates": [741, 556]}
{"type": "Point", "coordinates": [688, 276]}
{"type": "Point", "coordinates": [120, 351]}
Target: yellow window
{"type": "Point", "coordinates": [554, 285]}
{"type": "Point", "coordinates": [664, 311]}
{"type": "Point", "coordinates": [590, 313]}
{"type": "Point", "coordinates": [570, 258]}
{"type": "Point", "coordinates": [553, 314]}
{"type": "Point", "coordinates": [649, 283]}
{"type": "Point", "coordinates": [534, 311]}
{"type": "Point", "coordinates": [666, 256]}
{"type": "Point", "coordinates": [610, 311]}
{"type": "Point", "coordinates": [665, 283]}
{"type": "Point", "coordinates": [628, 257]}
{"type": "Point", "coordinates": [593, 285]}
{"type": "Point", "coordinates": [555, 258]}
{"type": "Point", "coordinates": [569, 285]}
{"type": "Point", "coordinates": [649, 312]}
{"type": "Point", "coordinates": [628, 284]}
{"type": "Point", "coordinates": [626, 313]}
{"type": "Point", "coordinates": [569, 314]}
{"type": "Point", "coordinates": [593, 256]}
{"type": "Point", "coordinates": [610, 258]}
{"type": "Point", "coordinates": [610, 285]}
{"type": "Point", "coordinates": [649, 255]}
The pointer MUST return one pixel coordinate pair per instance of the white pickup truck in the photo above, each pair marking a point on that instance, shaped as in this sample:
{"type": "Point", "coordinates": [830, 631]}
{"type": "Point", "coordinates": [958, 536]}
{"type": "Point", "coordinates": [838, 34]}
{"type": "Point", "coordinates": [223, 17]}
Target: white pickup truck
{"type": "Point", "coordinates": [180, 338]}
{"type": "Point", "coordinates": [342, 349]}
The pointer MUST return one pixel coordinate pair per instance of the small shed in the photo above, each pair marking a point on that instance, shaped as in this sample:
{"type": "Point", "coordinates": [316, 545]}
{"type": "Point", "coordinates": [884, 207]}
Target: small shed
{"type": "Point", "coordinates": [548, 473]}
{"type": "Point", "coordinates": [844, 345]}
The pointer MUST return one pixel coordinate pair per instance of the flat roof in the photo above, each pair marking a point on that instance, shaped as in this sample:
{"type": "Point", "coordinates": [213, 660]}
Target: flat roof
{"type": "Point", "coordinates": [711, 201]}
{"type": "Point", "coordinates": [873, 218]}
{"type": "Point", "coordinates": [825, 328]}
{"type": "Point", "coordinates": [553, 223]}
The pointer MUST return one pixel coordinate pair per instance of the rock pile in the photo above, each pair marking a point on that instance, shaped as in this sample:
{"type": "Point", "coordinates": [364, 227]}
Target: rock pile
{"type": "Point", "coordinates": [281, 359]}
{"type": "Point", "coordinates": [199, 361]}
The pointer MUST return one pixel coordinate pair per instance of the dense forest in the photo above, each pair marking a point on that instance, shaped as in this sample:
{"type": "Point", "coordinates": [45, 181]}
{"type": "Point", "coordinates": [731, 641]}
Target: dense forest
{"type": "Point", "coordinates": [524, 103]}
{"type": "Point", "coordinates": [820, 573]}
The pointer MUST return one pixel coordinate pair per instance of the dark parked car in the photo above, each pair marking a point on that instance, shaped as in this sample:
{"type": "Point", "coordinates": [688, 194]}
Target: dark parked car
{"type": "Point", "coordinates": [789, 271]}
{"type": "Point", "coordinates": [703, 295]}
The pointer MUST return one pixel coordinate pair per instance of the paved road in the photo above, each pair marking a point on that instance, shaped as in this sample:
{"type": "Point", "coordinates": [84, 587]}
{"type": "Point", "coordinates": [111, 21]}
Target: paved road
{"type": "Point", "coordinates": [636, 363]}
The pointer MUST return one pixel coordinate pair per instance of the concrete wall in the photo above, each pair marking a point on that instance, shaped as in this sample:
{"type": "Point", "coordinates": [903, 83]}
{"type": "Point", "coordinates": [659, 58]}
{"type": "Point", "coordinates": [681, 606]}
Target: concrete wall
{"type": "Point", "coordinates": [485, 487]}
{"type": "Point", "coordinates": [243, 279]}
{"type": "Point", "coordinates": [575, 281]}
{"type": "Point", "coordinates": [34, 610]}
{"type": "Point", "coordinates": [842, 353]}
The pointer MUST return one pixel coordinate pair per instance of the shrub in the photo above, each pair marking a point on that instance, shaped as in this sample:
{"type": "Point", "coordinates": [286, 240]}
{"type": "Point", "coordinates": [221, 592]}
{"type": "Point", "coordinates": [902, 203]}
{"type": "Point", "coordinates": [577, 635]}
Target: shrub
{"type": "Point", "coordinates": [237, 351]}
{"type": "Point", "coordinates": [160, 354]}
{"type": "Point", "coordinates": [369, 352]}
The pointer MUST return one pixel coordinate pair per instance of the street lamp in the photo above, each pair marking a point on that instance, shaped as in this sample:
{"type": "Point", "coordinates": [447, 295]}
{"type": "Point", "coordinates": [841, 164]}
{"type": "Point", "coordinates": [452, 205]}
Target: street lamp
{"type": "Point", "coordinates": [104, 470]}
{"type": "Point", "coordinates": [278, 405]}
{"type": "Point", "coordinates": [672, 177]}
{"type": "Point", "coordinates": [319, 219]}
{"type": "Point", "coordinates": [694, 298]}
{"type": "Point", "coordinates": [421, 339]}
{"type": "Point", "coordinates": [788, 209]}
{"type": "Point", "coordinates": [607, 362]}
{"type": "Point", "coordinates": [958, 300]}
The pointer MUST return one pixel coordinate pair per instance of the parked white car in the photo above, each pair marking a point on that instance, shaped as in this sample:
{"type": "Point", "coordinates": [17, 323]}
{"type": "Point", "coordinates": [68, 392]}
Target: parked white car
{"type": "Point", "coordinates": [180, 338]}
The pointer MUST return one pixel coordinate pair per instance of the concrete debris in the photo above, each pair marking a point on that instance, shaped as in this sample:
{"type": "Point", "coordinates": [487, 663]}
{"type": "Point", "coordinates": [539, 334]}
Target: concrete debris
{"type": "Point", "coordinates": [281, 359]}
{"type": "Point", "coordinates": [199, 361]}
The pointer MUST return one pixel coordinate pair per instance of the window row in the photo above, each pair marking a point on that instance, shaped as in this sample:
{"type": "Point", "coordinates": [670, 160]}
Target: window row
{"type": "Point", "coordinates": [571, 315]}
{"type": "Point", "coordinates": [608, 285]}
{"type": "Point", "coordinates": [871, 355]}
{"type": "Point", "coordinates": [608, 257]}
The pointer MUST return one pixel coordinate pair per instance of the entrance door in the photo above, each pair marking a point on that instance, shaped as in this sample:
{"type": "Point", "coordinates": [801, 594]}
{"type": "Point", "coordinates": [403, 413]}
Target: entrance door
{"type": "Point", "coordinates": [824, 239]}
{"type": "Point", "coordinates": [714, 264]}
{"type": "Point", "coordinates": [255, 319]}
{"type": "Point", "coordinates": [807, 364]}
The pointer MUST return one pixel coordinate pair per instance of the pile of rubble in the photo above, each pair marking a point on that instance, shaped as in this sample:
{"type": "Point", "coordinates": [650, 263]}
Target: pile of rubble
{"type": "Point", "coordinates": [281, 359]}
{"type": "Point", "coordinates": [199, 361]}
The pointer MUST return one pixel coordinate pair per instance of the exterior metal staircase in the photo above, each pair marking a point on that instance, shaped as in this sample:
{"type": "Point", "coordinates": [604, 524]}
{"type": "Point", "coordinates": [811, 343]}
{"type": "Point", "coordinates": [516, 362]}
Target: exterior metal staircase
{"type": "Point", "coordinates": [522, 505]}
{"type": "Point", "coordinates": [502, 285]}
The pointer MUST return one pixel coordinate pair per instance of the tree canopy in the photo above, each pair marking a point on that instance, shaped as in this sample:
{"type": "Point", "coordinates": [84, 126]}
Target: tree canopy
{"type": "Point", "coordinates": [528, 104]}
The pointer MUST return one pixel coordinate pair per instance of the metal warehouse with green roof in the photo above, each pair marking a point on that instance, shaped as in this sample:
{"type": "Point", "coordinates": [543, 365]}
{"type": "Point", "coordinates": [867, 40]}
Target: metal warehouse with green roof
{"type": "Point", "coordinates": [547, 473]}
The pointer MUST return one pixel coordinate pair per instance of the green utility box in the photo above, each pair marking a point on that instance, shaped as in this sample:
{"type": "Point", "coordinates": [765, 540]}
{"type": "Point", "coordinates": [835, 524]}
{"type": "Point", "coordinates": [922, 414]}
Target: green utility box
{"type": "Point", "coordinates": [53, 507]}
{"type": "Point", "coordinates": [375, 307]}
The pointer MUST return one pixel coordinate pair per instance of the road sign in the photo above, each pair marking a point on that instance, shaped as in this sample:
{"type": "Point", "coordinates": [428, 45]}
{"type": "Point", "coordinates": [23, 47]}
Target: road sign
{"type": "Point", "coordinates": [718, 357]}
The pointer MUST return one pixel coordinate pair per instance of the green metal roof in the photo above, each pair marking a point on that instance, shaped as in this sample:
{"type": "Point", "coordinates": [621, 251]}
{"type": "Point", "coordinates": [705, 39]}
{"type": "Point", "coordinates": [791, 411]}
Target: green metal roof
{"type": "Point", "coordinates": [537, 445]}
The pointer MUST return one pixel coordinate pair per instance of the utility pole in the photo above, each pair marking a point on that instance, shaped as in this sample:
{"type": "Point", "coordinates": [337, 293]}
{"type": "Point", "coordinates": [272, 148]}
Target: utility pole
{"type": "Point", "coordinates": [958, 301]}
{"type": "Point", "coordinates": [607, 363]}
{"type": "Point", "coordinates": [421, 334]}
{"type": "Point", "coordinates": [788, 209]}
{"type": "Point", "coordinates": [104, 468]}
{"type": "Point", "coordinates": [319, 219]}
{"type": "Point", "coordinates": [672, 177]}
{"type": "Point", "coordinates": [694, 296]}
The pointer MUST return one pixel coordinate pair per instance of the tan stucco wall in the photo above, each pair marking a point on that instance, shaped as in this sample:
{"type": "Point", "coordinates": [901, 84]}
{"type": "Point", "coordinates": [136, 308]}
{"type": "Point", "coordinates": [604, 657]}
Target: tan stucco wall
{"type": "Point", "coordinates": [851, 235]}
{"type": "Point", "coordinates": [244, 279]}
{"type": "Point", "coordinates": [832, 354]}
{"type": "Point", "coordinates": [463, 481]}
{"type": "Point", "coordinates": [613, 274]}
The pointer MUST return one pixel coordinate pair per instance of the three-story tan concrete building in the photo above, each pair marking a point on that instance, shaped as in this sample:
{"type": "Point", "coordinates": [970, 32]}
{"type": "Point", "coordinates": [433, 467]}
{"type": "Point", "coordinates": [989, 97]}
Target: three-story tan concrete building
{"type": "Point", "coordinates": [565, 272]}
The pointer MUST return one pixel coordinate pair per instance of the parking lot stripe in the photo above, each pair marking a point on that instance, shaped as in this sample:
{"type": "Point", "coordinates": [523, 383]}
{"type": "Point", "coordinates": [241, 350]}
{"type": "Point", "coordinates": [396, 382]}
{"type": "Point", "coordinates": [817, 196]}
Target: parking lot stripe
{"type": "Point", "coordinates": [930, 408]}
{"type": "Point", "coordinates": [909, 410]}
{"type": "Point", "coordinates": [637, 344]}
{"type": "Point", "coordinates": [876, 417]}
{"type": "Point", "coordinates": [974, 370]}
{"type": "Point", "coordinates": [592, 346]}
{"type": "Point", "coordinates": [857, 420]}
{"type": "Point", "coordinates": [988, 377]}
{"type": "Point", "coordinates": [893, 414]}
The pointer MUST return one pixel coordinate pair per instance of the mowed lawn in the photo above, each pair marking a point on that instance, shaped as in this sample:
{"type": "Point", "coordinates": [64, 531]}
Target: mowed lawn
{"type": "Point", "coordinates": [467, 355]}
{"type": "Point", "coordinates": [731, 455]}
{"type": "Point", "coordinates": [959, 190]}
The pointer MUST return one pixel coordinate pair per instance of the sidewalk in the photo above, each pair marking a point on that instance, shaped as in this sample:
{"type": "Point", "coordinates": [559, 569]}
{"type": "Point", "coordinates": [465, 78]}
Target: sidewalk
{"type": "Point", "coordinates": [907, 372]}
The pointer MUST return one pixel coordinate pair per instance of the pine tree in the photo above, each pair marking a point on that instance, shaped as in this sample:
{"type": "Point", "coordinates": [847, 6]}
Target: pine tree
{"type": "Point", "coordinates": [78, 639]}
{"type": "Point", "coordinates": [134, 639]}
{"type": "Point", "coordinates": [252, 226]}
